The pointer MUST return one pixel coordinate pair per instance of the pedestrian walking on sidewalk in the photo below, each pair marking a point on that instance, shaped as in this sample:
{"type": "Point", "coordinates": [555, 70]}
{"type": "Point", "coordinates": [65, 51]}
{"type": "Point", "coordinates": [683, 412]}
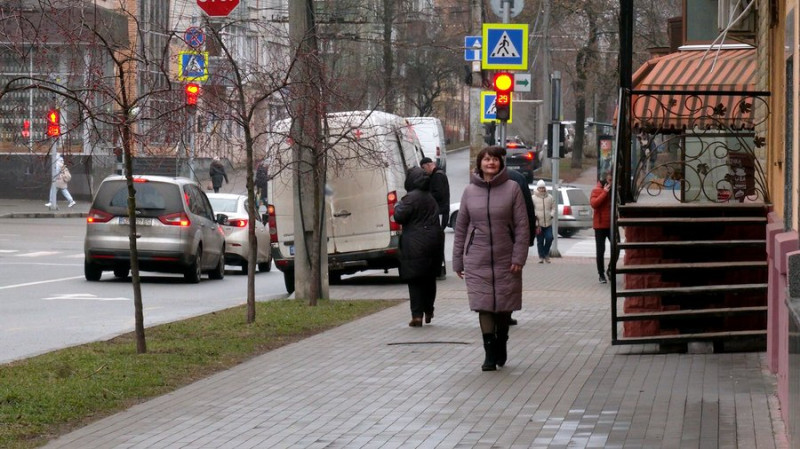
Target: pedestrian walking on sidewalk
{"type": "Point", "coordinates": [60, 183]}
{"type": "Point", "coordinates": [440, 190]}
{"type": "Point", "coordinates": [262, 181]}
{"type": "Point", "coordinates": [601, 222]}
{"type": "Point", "coordinates": [545, 207]}
{"type": "Point", "coordinates": [217, 174]}
{"type": "Point", "coordinates": [421, 244]}
{"type": "Point", "coordinates": [490, 249]}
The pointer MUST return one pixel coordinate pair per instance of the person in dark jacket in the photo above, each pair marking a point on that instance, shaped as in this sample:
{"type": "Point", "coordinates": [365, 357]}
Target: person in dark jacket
{"type": "Point", "coordinates": [421, 244]}
{"type": "Point", "coordinates": [601, 222]}
{"type": "Point", "coordinates": [440, 190]}
{"type": "Point", "coordinates": [262, 181]}
{"type": "Point", "coordinates": [490, 248]}
{"type": "Point", "coordinates": [217, 174]}
{"type": "Point", "coordinates": [520, 179]}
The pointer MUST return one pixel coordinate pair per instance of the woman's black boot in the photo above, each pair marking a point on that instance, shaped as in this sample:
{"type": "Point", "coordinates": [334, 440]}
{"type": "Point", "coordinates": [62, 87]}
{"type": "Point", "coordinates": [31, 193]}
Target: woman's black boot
{"type": "Point", "coordinates": [500, 350]}
{"type": "Point", "coordinates": [489, 363]}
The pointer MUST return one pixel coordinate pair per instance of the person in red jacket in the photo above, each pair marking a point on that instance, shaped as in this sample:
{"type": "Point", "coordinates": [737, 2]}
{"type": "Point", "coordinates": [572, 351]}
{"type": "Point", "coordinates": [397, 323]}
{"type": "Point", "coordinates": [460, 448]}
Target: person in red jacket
{"type": "Point", "coordinates": [601, 223]}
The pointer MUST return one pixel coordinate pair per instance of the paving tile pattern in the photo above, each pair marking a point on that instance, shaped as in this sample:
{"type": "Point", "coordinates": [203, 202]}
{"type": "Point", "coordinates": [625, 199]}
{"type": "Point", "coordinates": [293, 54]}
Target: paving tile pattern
{"type": "Point", "coordinates": [377, 383]}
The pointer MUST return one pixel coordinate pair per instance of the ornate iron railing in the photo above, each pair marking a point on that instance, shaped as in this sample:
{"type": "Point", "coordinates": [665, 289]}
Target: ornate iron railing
{"type": "Point", "coordinates": [690, 146]}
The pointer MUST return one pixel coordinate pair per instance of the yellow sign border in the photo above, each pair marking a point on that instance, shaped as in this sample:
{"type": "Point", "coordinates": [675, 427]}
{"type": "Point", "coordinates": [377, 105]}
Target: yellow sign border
{"type": "Point", "coordinates": [486, 93]}
{"type": "Point", "coordinates": [485, 49]}
{"type": "Point", "coordinates": [181, 77]}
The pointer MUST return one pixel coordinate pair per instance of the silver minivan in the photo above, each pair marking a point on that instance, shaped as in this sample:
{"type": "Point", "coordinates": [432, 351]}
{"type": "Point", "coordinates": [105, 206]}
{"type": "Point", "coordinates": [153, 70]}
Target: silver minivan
{"type": "Point", "coordinates": [176, 229]}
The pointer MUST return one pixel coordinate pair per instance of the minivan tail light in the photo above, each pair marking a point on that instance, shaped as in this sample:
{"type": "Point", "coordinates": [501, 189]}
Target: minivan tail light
{"type": "Point", "coordinates": [391, 200]}
{"type": "Point", "coordinates": [273, 228]}
{"type": "Point", "coordinates": [238, 222]}
{"type": "Point", "coordinates": [98, 216]}
{"type": "Point", "coordinates": [176, 219]}
{"type": "Point", "coordinates": [567, 210]}
{"type": "Point", "coordinates": [529, 155]}
{"type": "Point", "coordinates": [438, 151]}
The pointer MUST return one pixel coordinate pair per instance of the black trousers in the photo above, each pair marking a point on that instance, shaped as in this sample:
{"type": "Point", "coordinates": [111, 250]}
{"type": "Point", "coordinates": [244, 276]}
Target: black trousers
{"type": "Point", "coordinates": [422, 293]}
{"type": "Point", "coordinates": [445, 221]}
{"type": "Point", "coordinates": [600, 237]}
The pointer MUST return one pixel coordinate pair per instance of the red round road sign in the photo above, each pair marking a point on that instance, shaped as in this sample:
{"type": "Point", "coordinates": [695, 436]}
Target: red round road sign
{"type": "Point", "coordinates": [217, 8]}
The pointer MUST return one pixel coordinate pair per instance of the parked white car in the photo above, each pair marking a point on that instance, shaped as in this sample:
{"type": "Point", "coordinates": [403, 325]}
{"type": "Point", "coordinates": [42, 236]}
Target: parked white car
{"type": "Point", "coordinates": [236, 227]}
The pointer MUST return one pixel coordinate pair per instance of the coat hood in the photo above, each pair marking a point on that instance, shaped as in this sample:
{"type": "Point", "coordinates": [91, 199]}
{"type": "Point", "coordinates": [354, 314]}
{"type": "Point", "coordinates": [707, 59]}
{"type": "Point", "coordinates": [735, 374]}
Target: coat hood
{"type": "Point", "coordinates": [417, 179]}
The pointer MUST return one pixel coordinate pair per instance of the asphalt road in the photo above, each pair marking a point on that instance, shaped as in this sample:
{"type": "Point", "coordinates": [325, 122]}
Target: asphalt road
{"type": "Point", "coordinates": [46, 304]}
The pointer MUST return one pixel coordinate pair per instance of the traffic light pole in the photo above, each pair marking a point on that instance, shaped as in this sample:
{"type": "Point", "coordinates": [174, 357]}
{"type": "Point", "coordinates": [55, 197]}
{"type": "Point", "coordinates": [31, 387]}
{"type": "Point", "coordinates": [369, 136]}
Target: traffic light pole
{"type": "Point", "coordinates": [506, 10]}
{"type": "Point", "coordinates": [555, 146]}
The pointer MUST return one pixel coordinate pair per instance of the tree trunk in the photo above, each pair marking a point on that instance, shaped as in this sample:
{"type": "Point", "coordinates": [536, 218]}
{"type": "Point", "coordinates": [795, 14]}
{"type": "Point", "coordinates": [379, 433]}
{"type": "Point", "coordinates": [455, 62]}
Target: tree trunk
{"type": "Point", "coordinates": [309, 158]}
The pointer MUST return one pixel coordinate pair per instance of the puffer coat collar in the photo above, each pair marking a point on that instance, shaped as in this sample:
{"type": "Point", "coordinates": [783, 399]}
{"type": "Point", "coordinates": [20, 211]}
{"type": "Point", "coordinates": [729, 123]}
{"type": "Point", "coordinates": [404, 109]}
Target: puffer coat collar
{"type": "Point", "coordinates": [499, 178]}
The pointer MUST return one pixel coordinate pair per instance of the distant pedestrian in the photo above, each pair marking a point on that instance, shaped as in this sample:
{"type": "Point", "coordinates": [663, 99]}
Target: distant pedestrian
{"type": "Point", "coordinates": [601, 223]}
{"type": "Point", "coordinates": [440, 190]}
{"type": "Point", "coordinates": [60, 182]}
{"type": "Point", "coordinates": [421, 244]}
{"type": "Point", "coordinates": [217, 174]}
{"type": "Point", "coordinates": [490, 248]}
{"type": "Point", "coordinates": [545, 207]}
{"type": "Point", "coordinates": [262, 181]}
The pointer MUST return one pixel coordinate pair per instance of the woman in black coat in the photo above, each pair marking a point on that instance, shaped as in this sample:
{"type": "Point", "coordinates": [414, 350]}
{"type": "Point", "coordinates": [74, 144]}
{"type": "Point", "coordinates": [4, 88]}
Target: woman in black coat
{"type": "Point", "coordinates": [421, 244]}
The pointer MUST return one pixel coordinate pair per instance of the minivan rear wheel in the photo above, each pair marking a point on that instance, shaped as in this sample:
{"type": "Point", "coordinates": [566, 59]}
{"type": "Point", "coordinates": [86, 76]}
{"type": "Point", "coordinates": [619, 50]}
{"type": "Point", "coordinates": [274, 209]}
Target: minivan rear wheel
{"type": "Point", "coordinates": [288, 280]}
{"type": "Point", "coordinates": [194, 271]}
{"type": "Point", "coordinates": [219, 270]}
{"type": "Point", "coordinates": [121, 272]}
{"type": "Point", "coordinates": [91, 271]}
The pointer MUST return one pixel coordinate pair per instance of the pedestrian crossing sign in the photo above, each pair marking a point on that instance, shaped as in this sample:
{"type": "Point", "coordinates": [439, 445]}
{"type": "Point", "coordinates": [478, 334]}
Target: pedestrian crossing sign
{"type": "Point", "coordinates": [489, 110]}
{"type": "Point", "coordinates": [192, 66]}
{"type": "Point", "coordinates": [505, 46]}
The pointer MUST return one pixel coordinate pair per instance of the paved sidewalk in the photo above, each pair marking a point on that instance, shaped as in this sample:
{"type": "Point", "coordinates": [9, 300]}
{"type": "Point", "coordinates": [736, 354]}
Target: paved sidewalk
{"type": "Point", "coordinates": [376, 383]}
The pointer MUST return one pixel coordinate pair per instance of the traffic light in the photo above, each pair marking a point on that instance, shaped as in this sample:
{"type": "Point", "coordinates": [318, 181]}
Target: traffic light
{"type": "Point", "coordinates": [489, 130]}
{"type": "Point", "coordinates": [192, 92]}
{"type": "Point", "coordinates": [562, 145]}
{"type": "Point", "coordinates": [53, 123]}
{"type": "Point", "coordinates": [503, 83]}
{"type": "Point", "coordinates": [26, 128]}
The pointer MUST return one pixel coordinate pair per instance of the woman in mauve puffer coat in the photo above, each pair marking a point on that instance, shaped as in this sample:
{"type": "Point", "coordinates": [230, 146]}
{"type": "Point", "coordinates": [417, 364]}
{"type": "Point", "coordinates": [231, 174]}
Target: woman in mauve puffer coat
{"type": "Point", "coordinates": [421, 244]}
{"type": "Point", "coordinates": [490, 249]}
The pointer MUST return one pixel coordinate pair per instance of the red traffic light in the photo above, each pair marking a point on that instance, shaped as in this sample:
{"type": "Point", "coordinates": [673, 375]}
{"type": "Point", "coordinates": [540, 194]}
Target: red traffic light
{"type": "Point", "coordinates": [503, 82]}
{"type": "Point", "coordinates": [26, 128]}
{"type": "Point", "coordinates": [192, 92]}
{"type": "Point", "coordinates": [53, 123]}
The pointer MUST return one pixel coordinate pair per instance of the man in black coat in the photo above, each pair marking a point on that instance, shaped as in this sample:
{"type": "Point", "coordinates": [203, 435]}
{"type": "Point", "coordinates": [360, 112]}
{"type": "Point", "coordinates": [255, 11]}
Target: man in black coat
{"type": "Point", "coordinates": [440, 190]}
{"type": "Point", "coordinates": [519, 178]}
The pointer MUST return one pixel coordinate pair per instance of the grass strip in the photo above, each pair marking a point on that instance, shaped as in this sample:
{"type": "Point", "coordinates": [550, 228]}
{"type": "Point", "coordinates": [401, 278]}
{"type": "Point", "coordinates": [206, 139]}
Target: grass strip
{"type": "Point", "coordinates": [51, 394]}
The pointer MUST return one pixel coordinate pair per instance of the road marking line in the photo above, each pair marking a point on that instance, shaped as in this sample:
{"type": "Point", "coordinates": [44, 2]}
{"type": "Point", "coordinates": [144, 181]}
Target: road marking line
{"type": "Point", "coordinates": [75, 256]}
{"type": "Point", "coordinates": [6, 251]}
{"type": "Point", "coordinates": [84, 296]}
{"type": "Point", "coordinates": [27, 284]}
{"type": "Point", "coordinates": [38, 254]}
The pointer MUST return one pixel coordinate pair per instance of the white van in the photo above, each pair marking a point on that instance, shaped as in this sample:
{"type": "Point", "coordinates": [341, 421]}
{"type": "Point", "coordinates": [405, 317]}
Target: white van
{"type": "Point", "coordinates": [369, 155]}
{"type": "Point", "coordinates": [431, 136]}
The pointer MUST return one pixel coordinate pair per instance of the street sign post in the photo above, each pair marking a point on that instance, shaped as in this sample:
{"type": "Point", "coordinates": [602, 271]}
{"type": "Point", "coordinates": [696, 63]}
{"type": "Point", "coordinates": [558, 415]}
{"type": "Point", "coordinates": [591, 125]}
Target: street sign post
{"type": "Point", "coordinates": [217, 8]}
{"type": "Point", "coordinates": [505, 46]}
{"type": "Point", "coordinates": [489, 110]}
{"type": "Point", "coordinates": [192, 66]}
{"type": "Point", "coordinates": [194, 37]}
{"type": "Point", "coordinates": [472, 48]}
{"type": "Point", "coordinates": [516, 7]}
{"type": "Point", "coordinates": [522, 82]}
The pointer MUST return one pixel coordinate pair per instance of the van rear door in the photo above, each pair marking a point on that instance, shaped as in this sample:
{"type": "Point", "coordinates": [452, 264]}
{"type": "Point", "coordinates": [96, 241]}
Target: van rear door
{"type": "Point", "coordinates": [359, 205]}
